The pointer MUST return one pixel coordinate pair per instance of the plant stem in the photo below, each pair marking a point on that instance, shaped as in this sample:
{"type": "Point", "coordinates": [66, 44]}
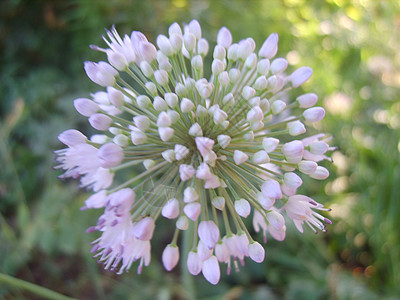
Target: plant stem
{"type": "Point", "coordinates": [33, 288]}
{"type": "Point", "coordinates": [187, 278]}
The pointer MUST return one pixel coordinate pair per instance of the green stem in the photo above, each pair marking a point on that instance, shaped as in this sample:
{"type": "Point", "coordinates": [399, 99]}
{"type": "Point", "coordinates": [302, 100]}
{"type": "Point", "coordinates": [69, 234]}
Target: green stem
{"type": "Point", "coordinates": [33, 288]}
{"type": "Point", "coordinates": [187, 278]}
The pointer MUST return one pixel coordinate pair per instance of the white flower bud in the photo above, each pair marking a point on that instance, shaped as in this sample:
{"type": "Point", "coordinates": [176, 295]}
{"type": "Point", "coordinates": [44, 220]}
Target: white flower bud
{"type": "Point", "coordinates": [255, 101]}
{"type": "Point", "coordinates": [224, 37]}
{"type": "Point", "coordinates": [101, 73]}
{"type": "Point", "coordinates": [181, 152]}
{"type": "Point", "coordinates": [100, 121]}
{"type": "Point", "coordinates": [224, 140]}
{"type": "Point", "coordinates": [170, 257]}
{"type": "Point", "coordinates": [293, 151]}
{"type": "Point", "coordinates": [320, 173]}
{"type": "Point", "coordinates": [110, 155]}
{"type": "Point", "coordinates": [296, 128]}
{"type": "Point", "coordinates": [72, 137]}
{"type": "Point", "coordinates": [228, 99]}
{"type": "Point", "coordinates": [115, 96]}
{"type": "Point", "coordinates": [208, 233]}
{"type": "Point", "coordinates": [270, 144]}
{"type": "Point", "coordinates": [219, 52]}
{"type": "Point", "coordinates": [171, 209]}
{"type": "Point", "coordinates": [319, 147]}
{"type": "Point", "coordinates": [275, 219]}
{"type": "Point", "coordinates": [186, 172]}
{"type": "Point", "coordinates": [146, 68]}
{"type": "Point", "coordinates": [197, 62]}
{"type": "Point", "coordinates": [186, 105]}
{"type": "Point", "coordinates": [203, 172]}
{"type": "Point", "coordinates": [151, 87]}
{"type": "Point", "coordinates": [211, 270]}
{"type": "Point", "coordinates": [292, 180]}
{"type": "Point", "coordinates": [143, 230]}
{"type": "Point", "coordinates": [263, 66]}
{"type": "Point", "coordinates": [270, 46]}
{"type": "Point", "coordinates": [148, 163]}
{"type": "Point", "coordinates": [218, 202]}
{"type": "Point", "coordinates": [314, 114]}
{"type": "Point", "coordinates": [142, 122]}
{"type": "Point", "coordinates": [182, 223]}
{"type": "Point", "coordinates": [307, 166]}
{"type": "Point", "coordinates": [194, 263]}
{"type": "Point", "coordinates": [173, 115]}
{"type": "Point", "coordinates": [176, 42]}
{"type": "Point", "coordinates": [121, 140]}
{"type": "Point", "coordinates": [234, 75]}
{"type": "Point", "coordinates": [180, 89]}
{"type": "Point", "coordinates": [163, 120]}
{"type": "Point", "coordinates": [201, 111]}
{"type": "Point", "coordinates": [189, 41]}
{"type": "Point", "coordinates": [233, 52]}
{"type": "Point", "coordinates": [174, 28]}
{"type": "Point", "coordinates": [194, 28]}
{"type": "Point", "coordinates": [165, 133]}
{"type": "Point", "coordinates": [275, 83]}
{"type": "Point", "coordinates": [251, 61]}
{"type": "Point", "coordinates": [278, 65]}
{"type": "Point", "coordinates": [143, 101]}
{"type": "Point", "coordinates": [86, 107]}
{"type": "Point", "coordinates": [190, 195]}
{"type": "Point", "coordinates": [192, 210]}
{"type": "Point", "coordinates": [217, 67]}
{"type": "Point", "coordinates": [148, 51]}
{"type": "Point", "coordinates": [220, 116]}
{"type": "Point", "coordinates": [171, 99]}
{"type": "Point", "coordinates": [97, 200]}
{"type": "Point", "coordinates": [255, 114]}
{"type": "Point", "coordinates": [271, 189]}
{"type": "Point", "coordinates": [240, 157]}
{"type": "Point", "coordinates": [138, 137]}
{"type": "Point", "coordinates": [242, 207]}
{"type": "Point", "coordinates": [257, 126]}
{"type": "Point", "coordinates": [248, 92]}
{"type": "Point", "coordinates": [159, 104]}
{"type": "Point", "coordinates": [261, 83]}
{"type": "Point", "coordinates": [244, 49]}
{"type": "Point", "coordinates": [164, 45]}
{"type": "Point", "coordinates": [307, 100]}
{"type": "Point", "coordinates": [265, 202]}
{"type": "Point", "coordinates": [117, 60]}
{"type": "Point", "coordinates": [115, 130]}
{"type": "Point", "coordinates": [195, 130]}
{"type": "Point", "coordinates": [278, 106]}
{"type": "Point", "coordinates": [168, 155]}
{"type": "Point", "coordinates": [223, 79]}
{"type": "Point", "coordinates": [206, 91]}
{"type": "Point", "coordinates": [300, 76]}
{"type": "Point", "coordinates": [212, 183]}
{"type": "Point", "coordinates": [256, 252]}
{"type": "Point", "coordinates": [261, 157]}
{"type": "Point", "coordinates": [202, 47]}
{"type": "Point", "coordinates": [99, 139]}
{"type": "Point", "coordinates": [161, 77]}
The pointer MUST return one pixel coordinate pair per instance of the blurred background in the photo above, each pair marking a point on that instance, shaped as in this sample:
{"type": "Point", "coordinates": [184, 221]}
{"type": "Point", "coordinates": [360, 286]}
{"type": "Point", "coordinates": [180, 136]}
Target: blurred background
{"type": "Point", "coordinates": [353, 48]}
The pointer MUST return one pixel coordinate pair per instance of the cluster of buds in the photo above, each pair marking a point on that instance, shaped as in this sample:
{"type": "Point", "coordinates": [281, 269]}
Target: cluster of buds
{"type": "Point", "coordinates": [227, 148]}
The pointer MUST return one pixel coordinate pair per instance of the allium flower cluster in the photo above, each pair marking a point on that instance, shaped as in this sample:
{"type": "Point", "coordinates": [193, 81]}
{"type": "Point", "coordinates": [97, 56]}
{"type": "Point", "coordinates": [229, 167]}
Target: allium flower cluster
{"type": "Point", "coordinates": [227, 148]}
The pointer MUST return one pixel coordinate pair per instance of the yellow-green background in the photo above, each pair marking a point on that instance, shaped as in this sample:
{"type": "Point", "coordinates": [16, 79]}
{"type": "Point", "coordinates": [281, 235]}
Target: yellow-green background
{"type": "Point", "coordinates": [354, 50]}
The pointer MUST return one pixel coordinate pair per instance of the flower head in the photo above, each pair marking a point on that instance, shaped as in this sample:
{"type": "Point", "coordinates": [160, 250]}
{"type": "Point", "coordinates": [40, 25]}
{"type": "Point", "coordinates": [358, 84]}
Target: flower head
{"type": "Point", "coordinates": [213, 151]}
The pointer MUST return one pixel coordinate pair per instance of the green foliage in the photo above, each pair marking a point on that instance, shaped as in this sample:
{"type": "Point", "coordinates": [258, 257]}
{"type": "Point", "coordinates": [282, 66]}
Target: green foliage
{"type": "Point", "coordinates": [352, 47]}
